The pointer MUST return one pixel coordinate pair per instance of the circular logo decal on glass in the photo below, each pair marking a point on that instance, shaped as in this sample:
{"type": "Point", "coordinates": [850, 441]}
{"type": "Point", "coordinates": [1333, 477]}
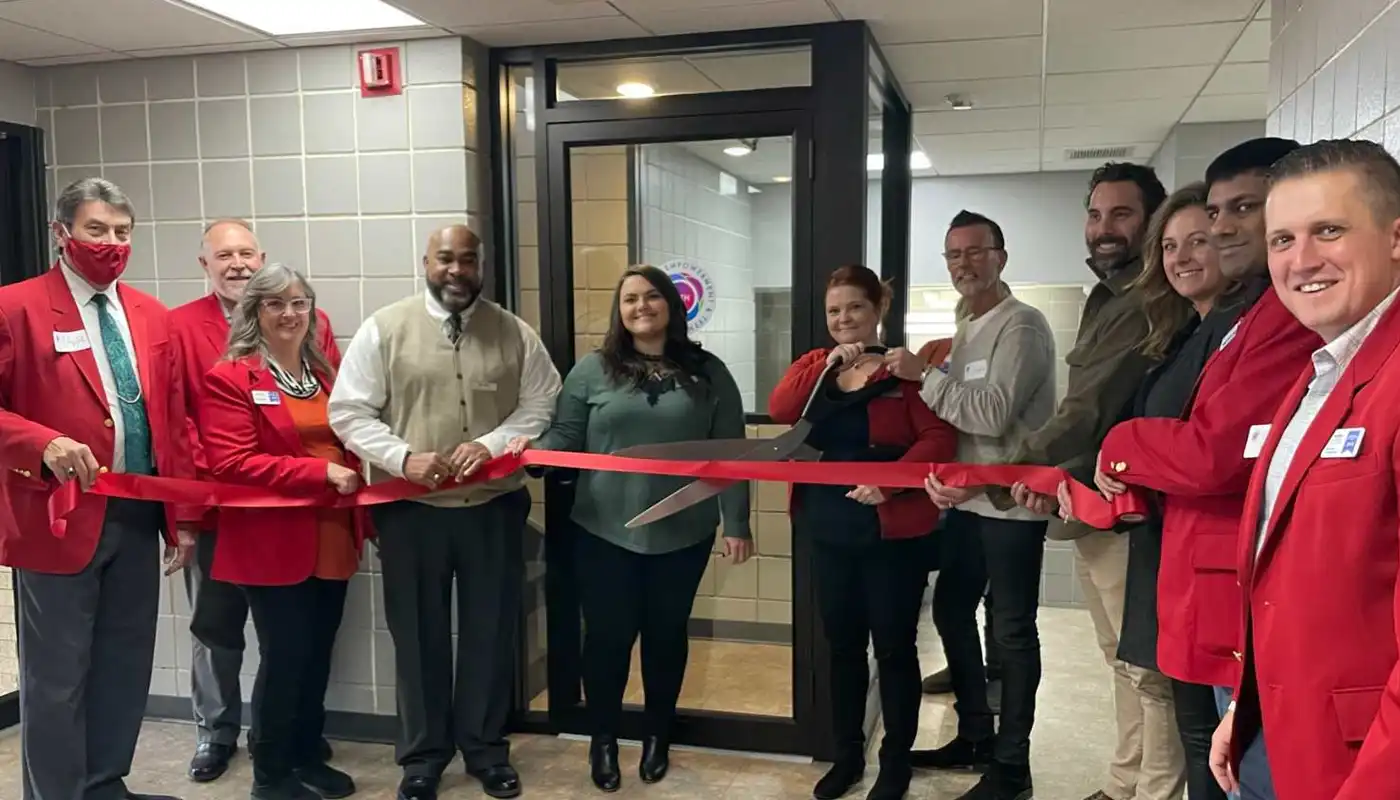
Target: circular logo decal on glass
{"type": "Point", "coordinates": [697, 291]}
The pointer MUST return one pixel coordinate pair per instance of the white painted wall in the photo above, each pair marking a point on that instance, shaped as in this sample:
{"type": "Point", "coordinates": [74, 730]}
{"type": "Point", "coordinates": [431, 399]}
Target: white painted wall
{"type": "Point", "coordinates": [16, 93]}
{"type": "Point", "coordinates": [1190, 148]}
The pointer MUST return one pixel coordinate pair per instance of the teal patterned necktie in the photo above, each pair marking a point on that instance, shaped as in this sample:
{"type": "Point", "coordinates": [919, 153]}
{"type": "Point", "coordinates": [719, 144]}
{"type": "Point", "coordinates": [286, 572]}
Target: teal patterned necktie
{"type": "Point", "coordinates": [136, 443]}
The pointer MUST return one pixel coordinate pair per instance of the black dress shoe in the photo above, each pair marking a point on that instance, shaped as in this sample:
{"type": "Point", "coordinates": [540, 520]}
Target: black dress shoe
{"type": "Point", "coordinates": [656, 759]}
{"type": "Point", "coordinates": [499, 781]}
{"type": "Point", "coordinates": [602, 763]}
{"type": "Point", "coordinates": [1003, 782]}
{"type": "Point", "coordinates": [418, 787]}
{"type": "Point", "coordinates": [135, 796]}
{"type": "Point", "coordinates": [892, 783]}
{"type": "Point", "coordinates": [326, 781]}
{"type": "Point", "coordinates": [210, 761]}
{"type": "Point", "coordinates": [939, 682]}
{"type": "Point", "coordinates": [839, 779]}
{"type": "Point", "coordinates": [960, 753]}
{"type": "Point", "coordinates": [285, 789]}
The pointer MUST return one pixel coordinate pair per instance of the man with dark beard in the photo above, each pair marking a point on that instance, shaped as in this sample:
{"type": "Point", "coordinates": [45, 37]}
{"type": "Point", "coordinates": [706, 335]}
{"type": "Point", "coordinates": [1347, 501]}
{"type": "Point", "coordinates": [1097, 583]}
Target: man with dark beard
{"type": "Point", "coordinates": [431, 388]}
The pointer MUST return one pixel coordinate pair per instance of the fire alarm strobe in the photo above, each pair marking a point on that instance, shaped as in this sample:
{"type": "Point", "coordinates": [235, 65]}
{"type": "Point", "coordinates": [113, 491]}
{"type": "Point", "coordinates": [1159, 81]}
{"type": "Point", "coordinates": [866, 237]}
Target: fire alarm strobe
{"type": "Point", "coordinates": [379, 72]}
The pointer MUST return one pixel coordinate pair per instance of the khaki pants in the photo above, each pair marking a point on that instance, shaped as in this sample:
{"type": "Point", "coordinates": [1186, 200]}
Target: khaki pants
{"type": "Point", "coordinates": [1149, 763]}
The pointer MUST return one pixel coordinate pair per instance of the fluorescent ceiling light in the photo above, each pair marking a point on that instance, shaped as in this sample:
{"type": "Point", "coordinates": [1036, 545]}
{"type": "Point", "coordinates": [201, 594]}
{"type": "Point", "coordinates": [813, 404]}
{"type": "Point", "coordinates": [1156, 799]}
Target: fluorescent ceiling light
{"type": "Point", "coordinates": [633, 89]}
{"type": "Point", "coordinates": [874, 162]}
{"type": "Point", "coordinates": [293, 17]}
{"type": "Point", "coordinates": [782, 179]}
{"type": "Point", "coordinates": [737, 150]}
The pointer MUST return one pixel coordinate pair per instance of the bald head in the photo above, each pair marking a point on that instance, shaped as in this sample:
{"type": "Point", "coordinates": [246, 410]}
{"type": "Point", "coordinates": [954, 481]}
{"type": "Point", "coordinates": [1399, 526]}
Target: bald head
{"type": "Point", "coordinates": [230, 255]}
{"type": "Point", "coordinates": [452, 265]}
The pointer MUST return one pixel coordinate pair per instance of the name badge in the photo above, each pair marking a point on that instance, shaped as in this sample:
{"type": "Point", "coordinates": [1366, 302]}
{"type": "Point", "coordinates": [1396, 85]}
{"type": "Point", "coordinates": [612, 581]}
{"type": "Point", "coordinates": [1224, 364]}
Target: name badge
{"type": "Point", "coordinates": [975, 370]}
{"type": "Point", "coordinates": [1254, 444]}
{"type": "Point", "coordinates": [1345, 443]}
{"type": "Point", "coordinates": [71, 341]}
{"type": "Point", "coordinates": [1229, 336]}
{"type": "Point", "coordinates": [262, 397]}
{"type": "Point", "coordinates": [485, 386]}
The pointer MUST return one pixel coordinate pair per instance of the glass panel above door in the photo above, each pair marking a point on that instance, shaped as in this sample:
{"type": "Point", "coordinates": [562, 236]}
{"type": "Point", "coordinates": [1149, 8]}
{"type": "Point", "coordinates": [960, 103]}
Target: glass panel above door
{"type": "Point", "coordinates": [692, 73]}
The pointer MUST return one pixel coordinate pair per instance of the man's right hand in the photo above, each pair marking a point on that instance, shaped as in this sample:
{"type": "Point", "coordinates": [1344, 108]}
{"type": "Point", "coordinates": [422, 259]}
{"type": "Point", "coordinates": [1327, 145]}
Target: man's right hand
{"type": "Point", "coordinates": [426, 469]}
{"type": "Point", "coordinates": [344, 479]}
{"type": "Point", "coordinates": [1220, 765]}
{"type": "Point", "coordinates": [519, 444]}
{"type": "Point", "coordinates": [68, 460]}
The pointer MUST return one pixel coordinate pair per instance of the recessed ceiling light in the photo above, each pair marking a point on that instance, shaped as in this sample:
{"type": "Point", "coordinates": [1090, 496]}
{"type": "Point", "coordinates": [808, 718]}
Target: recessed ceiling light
{"type": "Point", "coordinates": [297, 17]}
{"type": "Point", "coordinates": [633, 89]}
{"type": "Point", "coordinates": [738, 150]}
{"type": "Point", "coordinates": [782, 179]}
{"type": "Point", "coordinates": [958, 102]}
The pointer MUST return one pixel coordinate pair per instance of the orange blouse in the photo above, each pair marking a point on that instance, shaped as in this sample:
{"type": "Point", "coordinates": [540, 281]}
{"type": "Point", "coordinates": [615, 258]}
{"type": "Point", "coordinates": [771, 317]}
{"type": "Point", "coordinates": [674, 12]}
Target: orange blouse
{"type": "Point", "coordinates": [336, 559]}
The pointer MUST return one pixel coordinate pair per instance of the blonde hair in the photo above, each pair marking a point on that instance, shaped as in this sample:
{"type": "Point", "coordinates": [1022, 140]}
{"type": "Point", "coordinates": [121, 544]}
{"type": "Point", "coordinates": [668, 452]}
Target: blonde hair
{"type": "Point", "coordinates": [1167, 312]}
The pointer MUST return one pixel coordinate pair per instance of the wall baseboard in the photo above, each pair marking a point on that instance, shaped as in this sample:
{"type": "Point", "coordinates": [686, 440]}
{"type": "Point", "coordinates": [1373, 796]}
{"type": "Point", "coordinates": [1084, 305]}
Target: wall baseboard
{"type": "Point", "coordinates": [346, 725]}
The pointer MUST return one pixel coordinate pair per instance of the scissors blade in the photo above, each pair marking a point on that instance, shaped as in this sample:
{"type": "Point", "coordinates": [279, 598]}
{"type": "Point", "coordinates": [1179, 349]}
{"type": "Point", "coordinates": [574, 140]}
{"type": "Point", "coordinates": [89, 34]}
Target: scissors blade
{"type": "Point", "coordinates": [699, 450]}
{"type": "Point", "coordinates": [679, 500]}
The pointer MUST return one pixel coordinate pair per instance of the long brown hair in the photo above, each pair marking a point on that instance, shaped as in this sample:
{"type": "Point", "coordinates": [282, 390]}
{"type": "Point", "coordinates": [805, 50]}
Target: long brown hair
{"type": "Point", "coordinates": [1167, 312]}
{"type": "Point", "coordinates": [621, 360]}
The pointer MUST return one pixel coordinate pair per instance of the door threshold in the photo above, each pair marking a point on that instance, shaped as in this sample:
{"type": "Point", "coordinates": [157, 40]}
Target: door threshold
{"type": "Point", "coordinates": [688, 748]}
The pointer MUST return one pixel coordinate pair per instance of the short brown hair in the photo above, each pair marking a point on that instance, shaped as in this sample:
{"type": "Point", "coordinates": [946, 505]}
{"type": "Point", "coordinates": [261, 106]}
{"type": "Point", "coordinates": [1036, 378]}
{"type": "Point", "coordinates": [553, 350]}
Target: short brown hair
{"type": "Point", "coordinates": [1378, 170]}
{"type": "Point", "coordinates": [863, 278]}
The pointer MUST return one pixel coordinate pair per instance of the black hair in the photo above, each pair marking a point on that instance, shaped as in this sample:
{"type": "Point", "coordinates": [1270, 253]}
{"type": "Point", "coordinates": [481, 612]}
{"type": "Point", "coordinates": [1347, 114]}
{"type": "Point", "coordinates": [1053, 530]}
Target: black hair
{"type": "Point", "coordinates": [1143, 176]}
{"type": "Point", "coordinates": [1254, 155]}
{"type": "Point", "coordinates": [968, 219]}
{"type": "Point", "coordinates": [1378, 170]}
{"type": "Point", "coordinates": [685, 357]}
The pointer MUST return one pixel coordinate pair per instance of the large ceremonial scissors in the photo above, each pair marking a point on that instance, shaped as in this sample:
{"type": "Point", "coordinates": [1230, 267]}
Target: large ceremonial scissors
{"type": "Point", "coordinates": [790, 446]}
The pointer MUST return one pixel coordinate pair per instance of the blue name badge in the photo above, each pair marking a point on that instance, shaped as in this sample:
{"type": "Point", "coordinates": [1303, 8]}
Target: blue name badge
{"type": "Point", "coordinates": [262, 397]}
{"type": "Point", "coordinates": [1345, 443]}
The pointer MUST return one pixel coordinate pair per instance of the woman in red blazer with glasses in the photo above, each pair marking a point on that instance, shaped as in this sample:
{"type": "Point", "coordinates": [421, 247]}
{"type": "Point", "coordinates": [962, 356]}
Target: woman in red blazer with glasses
{"type": "Point", "coordinates": [263, 422]}
{"type": "Point", "coordinates": [868, 559]}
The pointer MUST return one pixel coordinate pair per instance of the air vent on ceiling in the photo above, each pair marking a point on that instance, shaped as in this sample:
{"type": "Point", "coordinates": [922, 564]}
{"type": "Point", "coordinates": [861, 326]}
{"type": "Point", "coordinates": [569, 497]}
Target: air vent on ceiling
{"type": "Point", "coordinates": [1097, 153]}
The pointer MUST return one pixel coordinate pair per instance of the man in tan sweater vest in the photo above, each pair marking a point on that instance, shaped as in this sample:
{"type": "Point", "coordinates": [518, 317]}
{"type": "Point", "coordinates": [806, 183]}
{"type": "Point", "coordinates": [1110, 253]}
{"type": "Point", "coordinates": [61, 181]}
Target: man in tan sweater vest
{"type": "Point", "coordinates": [432, 387]}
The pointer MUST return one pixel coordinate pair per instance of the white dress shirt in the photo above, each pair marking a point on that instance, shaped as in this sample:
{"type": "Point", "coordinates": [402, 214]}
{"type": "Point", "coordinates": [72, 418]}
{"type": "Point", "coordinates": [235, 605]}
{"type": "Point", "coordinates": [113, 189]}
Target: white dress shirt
{"type": "Point", "coordinates": [1329, 363]}
{"type": "Point", "coordinates": [83, 293]}
{"type": "Point", "coordinates": [361, 391]}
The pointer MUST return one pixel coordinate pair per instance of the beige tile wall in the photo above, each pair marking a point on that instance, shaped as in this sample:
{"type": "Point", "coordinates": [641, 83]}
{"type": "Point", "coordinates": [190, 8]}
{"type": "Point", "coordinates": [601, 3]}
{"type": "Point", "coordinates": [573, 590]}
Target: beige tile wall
{"type": "Point", "coordinates": [9, 653]}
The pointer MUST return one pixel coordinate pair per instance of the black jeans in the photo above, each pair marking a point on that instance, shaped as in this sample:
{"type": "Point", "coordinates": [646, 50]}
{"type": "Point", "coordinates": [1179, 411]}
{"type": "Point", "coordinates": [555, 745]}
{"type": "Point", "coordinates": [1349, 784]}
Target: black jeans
{"type": "Point", "coordinates": [626, 595]}
{"type": "Point", "coordinates": [1197, 717]}
{"type": "Point", "coordinates": [1008, 554]}
{"type": "Point", "coordinates": [296, 628]}
{"type": "Point", "coordinates": [873, 592]}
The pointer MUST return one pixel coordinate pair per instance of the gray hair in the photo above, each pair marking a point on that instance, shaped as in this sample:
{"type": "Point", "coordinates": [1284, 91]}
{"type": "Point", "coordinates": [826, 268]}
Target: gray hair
{"type": "Point", "coordinates": [87, 190]}
{"type": "Point", "coordinates": [245, 333]}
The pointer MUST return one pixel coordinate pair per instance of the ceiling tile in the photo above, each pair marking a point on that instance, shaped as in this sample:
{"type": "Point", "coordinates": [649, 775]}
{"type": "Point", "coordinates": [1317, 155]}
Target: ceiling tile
{"type": "Point", "coordinates": [964, 143]}
{"type": "Point", "coordinates": [990, 93]}
{"type": "Point", "coordinates": [1151, 113]}
{"type": "Point", "coordinates": [757, 71]}
{"type": "Point", "coordinates": [578, 30]}
{"type": "Point", "coordinates": [1253, 45]}
{"type": "Point", "coordinates": [901, 21]}
{"type": "Point", "coordinates": [1228, 108]}
{"type": "Point", "coordinates": [126, 24]}
{"type": "Point", "coordinates": [955, 61]}
{"type": "Point", "coordinates": [1090, 51]}
{"type": "Point", "coordinates": [977, 120]}
{"type": "Point", "coordinates": [1137, 84]}
{"type": "Point", "coordinates": [690, 19]}
{"type": "Point", "coordinates": [458, 14]}
{"type": "Point", "coordinates": [1248, 78]}
{"type": "Point", "coordinates": [1118, 15]}
{"type": "Point", "coordinates": [20, 43]}
{"type": "Point", "coordinates": [1097, 136]}
{"type": "Point", "coordinates": [1055, 157]}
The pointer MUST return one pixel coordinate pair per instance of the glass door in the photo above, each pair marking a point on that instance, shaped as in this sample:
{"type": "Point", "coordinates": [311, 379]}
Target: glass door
{"type": "Point", "coordinates": [721, 204]}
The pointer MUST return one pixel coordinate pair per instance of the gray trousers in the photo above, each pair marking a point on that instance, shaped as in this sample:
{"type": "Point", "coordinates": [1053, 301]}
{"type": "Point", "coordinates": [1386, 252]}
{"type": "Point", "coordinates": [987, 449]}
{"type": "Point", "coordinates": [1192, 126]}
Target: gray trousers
{"type": "Point", "coordinates": [218, 614]}
{"type": "Point", "coordinates": [86, 643]}
{"type": "Point", "coordinates": [423, 548]}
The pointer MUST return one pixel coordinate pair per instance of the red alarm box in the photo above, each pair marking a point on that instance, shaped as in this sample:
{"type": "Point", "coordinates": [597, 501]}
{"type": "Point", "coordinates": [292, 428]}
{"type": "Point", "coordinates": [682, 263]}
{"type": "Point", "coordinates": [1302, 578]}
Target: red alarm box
{"type": "Point", "coordinates": [380, 74]}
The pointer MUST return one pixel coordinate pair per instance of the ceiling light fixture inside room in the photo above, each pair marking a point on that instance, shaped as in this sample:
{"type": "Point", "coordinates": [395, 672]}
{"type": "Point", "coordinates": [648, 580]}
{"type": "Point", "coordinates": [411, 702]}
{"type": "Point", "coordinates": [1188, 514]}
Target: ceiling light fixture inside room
{"type": "Point", "coordinates": [958, 102]}
{"type": "Point", "coordinates": [738, 150]}
{"type": "Point", "coordinates": [634, 89]}
{"type": "Point", "coordinates": [302, 17]}
{"type": "Point", "coordinates": [781, 179]}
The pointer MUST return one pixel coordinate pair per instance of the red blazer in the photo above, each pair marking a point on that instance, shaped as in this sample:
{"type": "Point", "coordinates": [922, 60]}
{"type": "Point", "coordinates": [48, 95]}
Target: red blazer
{"type": "Point", "coordinates": [200, 329]}
{"type": "Point", "coordinates": [45, 394]}
{"type": "Point", "coordinates": [1198, 463]}
{"type": "Point", "coordinates": [903, 420]}
{"type": "Point", "coordinates": [1321, 601]}
{"type": "Point", "coordinates": [258, 445]}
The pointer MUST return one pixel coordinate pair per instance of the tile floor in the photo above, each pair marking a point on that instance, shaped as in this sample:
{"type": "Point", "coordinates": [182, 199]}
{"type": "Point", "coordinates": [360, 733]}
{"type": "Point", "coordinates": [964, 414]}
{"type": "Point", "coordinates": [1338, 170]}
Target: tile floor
{"type": "Point", "coordinates": [1073, 739]}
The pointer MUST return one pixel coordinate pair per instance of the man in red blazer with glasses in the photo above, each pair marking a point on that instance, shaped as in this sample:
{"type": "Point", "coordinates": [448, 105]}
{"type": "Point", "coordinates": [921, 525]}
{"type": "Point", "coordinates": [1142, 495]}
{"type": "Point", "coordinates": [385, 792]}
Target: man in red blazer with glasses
{"type": "Point", "coordinates": [230, 253]}
{"type": "Point", "coordinates": [89, 382]}
{"type": "Point", "coordinates": [1319, 541]}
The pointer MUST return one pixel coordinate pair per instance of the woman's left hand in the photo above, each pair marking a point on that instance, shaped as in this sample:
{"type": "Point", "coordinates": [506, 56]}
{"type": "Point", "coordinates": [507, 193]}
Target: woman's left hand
{"type": "Point", "coordinates": [869, 495]}
{"type": "Point", "coordinates": [1066, 503]}
{"type": "Point", "coordinates": [738, 550]}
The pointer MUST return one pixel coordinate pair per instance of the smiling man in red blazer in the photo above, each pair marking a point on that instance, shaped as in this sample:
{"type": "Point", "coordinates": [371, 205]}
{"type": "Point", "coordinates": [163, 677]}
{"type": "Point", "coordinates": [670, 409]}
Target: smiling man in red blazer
{"type": "Point", "coordinates": [89, 382]}
{"type": "Point", "coordinates": [1320, 536]}
{"type": "Point", "coordinates": [230, 254]}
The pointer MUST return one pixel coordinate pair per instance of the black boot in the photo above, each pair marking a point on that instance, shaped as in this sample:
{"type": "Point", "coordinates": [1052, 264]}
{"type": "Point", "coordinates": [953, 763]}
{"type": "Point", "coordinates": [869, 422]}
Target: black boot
{"type": "Point", "coordinates": [893, 782]}
{"type": "Point", "coordinates": [656, 759]}
{"type": "Point", "coordinates": [288, 788]}
{"type": "Point", "coordinates": [838, 780]}
{"type": "Point", "coordinates": [959, 754]}
{"type": "Point", "coordinates": [602, 762]}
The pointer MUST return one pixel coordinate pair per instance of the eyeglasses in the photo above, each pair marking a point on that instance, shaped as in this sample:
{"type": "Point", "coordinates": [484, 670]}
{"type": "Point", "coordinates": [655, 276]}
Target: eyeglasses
{"type": "Point", "coordinates": [970, 254]}
{"type": "Point", "coordinates": [301, 306]}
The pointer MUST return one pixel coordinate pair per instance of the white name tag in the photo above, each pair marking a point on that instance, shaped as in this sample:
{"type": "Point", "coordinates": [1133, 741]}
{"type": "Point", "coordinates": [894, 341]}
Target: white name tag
{"type": "Point", "coordinates": [485, 386]}
{"type": "Point", "coordinates": [71, 341]}
{"type": "Point", "coordinates": [1254, 444]}
{"type": "Point", "coordinates": [265, 398]}
{"type": "Point", "coordinates": [1345, 443]}
{"type": "Point", "coordinates": [976, 370]}
{"type": "Point", "coordinates": [1229, 336]}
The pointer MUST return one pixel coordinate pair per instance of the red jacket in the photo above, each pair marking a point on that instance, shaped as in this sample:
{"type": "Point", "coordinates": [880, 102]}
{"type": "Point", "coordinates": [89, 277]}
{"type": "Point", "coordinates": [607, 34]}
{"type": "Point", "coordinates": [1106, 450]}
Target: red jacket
{"type": "Point", "coordinates": [201, 330]}
{"type": "Point", "coordinates": [45, 394]}
{"type": "Point", "coordinates": [1321, 600]}
{"type": "Point", "coordinates": [258, 445]}
{"type": "Point", "coordinates": [1198, 462]}
{"type": "Point", "coordinates": [903, 420]}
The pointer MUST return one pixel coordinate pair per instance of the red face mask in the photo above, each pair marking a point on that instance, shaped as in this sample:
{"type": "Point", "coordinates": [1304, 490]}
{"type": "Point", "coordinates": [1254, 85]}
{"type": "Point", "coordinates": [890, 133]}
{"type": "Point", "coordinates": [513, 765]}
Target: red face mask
{"type": "Point", "coordinates": [100, 263]}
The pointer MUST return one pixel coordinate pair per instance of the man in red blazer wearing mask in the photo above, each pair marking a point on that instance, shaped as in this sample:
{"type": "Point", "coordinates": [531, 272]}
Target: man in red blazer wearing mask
{"type": "Point", "coordinates": [230, 253]}
{"type": "Point", "coordinates": [1320, 536]}
{"type": "Point", "coordinates": [89, 382]}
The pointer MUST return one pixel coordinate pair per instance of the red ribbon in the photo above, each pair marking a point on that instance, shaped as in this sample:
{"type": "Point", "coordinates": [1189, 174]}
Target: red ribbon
{"type": "Point", "coordinates": [1089, 505]}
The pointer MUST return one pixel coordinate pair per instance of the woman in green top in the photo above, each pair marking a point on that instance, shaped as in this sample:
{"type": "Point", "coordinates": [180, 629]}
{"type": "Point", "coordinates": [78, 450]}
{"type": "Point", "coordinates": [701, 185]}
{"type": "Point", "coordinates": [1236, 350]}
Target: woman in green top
{"type": "Point", "coordinates": [648, 384]}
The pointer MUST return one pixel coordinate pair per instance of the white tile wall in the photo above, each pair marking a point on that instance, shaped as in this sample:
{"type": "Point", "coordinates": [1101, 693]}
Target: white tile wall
{"type": "Point", "coordinates": [340, 186]}
{"type": "Point", "coordinates": [1190, 148]}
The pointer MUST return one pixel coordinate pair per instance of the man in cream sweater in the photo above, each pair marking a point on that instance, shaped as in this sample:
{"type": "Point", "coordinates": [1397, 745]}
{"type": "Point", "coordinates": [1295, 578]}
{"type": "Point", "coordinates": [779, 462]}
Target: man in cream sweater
{"type": "Point", "coordinates": [999, 385]}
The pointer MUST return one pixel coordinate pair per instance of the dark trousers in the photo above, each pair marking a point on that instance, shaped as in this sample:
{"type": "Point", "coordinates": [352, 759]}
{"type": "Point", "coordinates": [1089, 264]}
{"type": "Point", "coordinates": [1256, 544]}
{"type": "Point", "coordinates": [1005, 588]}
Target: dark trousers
{"type": "Point", "coordinates": [424, 550]}
{"type": "Point", "coordinates": [296, 628]}
{"type": "Point", "coordinates": [864, 593]}
{"type": "Point", "coordinates": [1008, 554]}
{"type": "Point", "coordinates": [86, 645]}
{"type": "Point", "coordinates": [1197, 718]}
{"type": "Point", "coordinates": [219, 611]}
{"type": "Point", "coordinates": [626, 595]}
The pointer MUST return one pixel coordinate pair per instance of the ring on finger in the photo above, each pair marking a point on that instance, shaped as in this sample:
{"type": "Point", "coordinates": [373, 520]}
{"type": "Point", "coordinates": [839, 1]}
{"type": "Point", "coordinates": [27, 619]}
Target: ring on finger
{"type": "Point", "coordinates": [72, 472]}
